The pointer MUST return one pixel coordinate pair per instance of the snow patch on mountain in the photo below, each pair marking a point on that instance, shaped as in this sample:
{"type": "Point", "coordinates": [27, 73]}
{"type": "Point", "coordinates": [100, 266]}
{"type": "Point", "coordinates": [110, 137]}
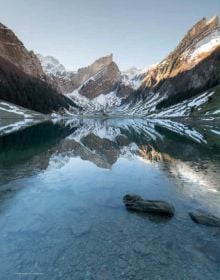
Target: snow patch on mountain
{"type": "Point", "coordinates": [14, 118]}
{"type": "Point", "coordinates": [51, 65]}
{"type": "Point", "coordinates": [132, 72]}
{"type": "Point", "coordinates": [133, 82]}
{"type": "Point", "coordinates": [9, 110]}
{"type": "Point", "coordinates": [204, 46]}
{"type": "Point", "coordinates": [100, 103]}
{"type": "Point", "coordinates": [133, 77]}
{"type": "Point", "coordinates": [184, 108]}
{"type": "Point", "coordinates": [141, 107]}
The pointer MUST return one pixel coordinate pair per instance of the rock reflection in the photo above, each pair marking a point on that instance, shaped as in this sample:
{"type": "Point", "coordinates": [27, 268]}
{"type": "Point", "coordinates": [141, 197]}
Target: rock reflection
{"type": "Point", "coordinates": [153, 217]}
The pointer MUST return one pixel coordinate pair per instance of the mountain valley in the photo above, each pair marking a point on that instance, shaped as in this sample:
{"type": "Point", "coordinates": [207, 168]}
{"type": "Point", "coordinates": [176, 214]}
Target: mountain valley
{"type": "Point", "coordinates": [170, 88]}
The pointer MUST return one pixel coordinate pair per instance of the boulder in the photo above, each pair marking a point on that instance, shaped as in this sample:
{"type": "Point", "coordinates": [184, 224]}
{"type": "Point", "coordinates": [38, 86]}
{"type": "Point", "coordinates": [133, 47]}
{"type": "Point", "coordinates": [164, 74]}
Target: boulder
{"type": "Point", "coordinates": [205, 218]}
{"type": "Point", "coordinates": [137, 203]}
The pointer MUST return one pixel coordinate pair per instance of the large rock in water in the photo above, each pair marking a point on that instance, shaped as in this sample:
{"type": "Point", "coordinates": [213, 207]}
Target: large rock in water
{"type": "Point", "coordinates": [137, 203]}
{"type": "Point", "coordinates": [205, 218]}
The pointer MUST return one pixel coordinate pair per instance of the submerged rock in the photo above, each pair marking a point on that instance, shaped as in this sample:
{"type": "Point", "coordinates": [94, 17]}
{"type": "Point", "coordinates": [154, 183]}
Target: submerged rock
{"type": "Point", "coordinates": [81, 228]}
{"type": "Point", "coordinates": [137, 203]}
{"type": "Point", "coordinates": [205, 218]}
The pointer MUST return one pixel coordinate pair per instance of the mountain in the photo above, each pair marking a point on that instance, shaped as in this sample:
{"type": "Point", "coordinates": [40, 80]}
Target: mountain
{"type": "Point", "coordinates": [98, 78]}
{"type": "Point", "coordinates": [96, 87]}
{"type": "Point", "coordinates": [103, 82]}
{"type": "Point", "coordinates": [205, 105]}
{"type": "Point", "coordinates": [185, 83]}
{"type": "Point", "coordinates": [51, 65]}
{"type": "Point", "coordinates": [186, 73]}
{"type": "Point", "coordinates": [22, 79]}
{"type": "Point", "coordinates": [191, 69]}
{"type": "Point", "coordinates": [197, 44]}
{"type": "Point", "coordinates": [13, 50]}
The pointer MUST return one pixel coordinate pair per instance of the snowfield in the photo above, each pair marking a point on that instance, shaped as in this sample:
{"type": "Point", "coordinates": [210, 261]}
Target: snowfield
{"type": "Point", "coordinates": [184, 108]}
{"type": "Point", "coordinates": [206, 45]}
{"type": "Point", "coordinates": [100, 103]}
{"type": "Point", "coordinates": [14, 118]}
{"type": "Point", "coordinates": [51, 65]}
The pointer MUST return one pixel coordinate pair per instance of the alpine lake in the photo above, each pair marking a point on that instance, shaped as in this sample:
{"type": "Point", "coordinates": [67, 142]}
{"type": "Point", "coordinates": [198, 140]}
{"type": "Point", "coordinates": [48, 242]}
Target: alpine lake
{"type": "Point", "coordinates": [62, 214]}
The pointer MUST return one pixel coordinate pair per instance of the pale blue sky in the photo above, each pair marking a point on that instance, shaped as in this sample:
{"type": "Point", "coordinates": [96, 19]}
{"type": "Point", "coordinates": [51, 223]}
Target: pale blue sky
{"type": "Point", "coordinates": [137, 32]}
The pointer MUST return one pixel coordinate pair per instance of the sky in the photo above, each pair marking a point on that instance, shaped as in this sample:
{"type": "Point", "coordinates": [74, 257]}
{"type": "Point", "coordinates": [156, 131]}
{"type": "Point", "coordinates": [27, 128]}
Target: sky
{"type": "Point", "coordinates": [77, 32]}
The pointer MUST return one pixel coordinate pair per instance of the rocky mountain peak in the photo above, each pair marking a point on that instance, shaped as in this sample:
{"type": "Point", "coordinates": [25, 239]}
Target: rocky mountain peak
{"type": "Point", "coordinates": [104, 61]}
{"type": "Point", "coordinates": [13, 50]}
{"type": "Point", "coordinates": [199, 42]}
{"type": "Point", "coordinates": [95, 67]}
{"type": "Point", "coordinates": [201, 29]}
{"type": "Point", "coordinates": [191, 68]}
{"type": "Point", "coordinates": [103, 82]}
{"type": "Point", "coordinates": [68, 81]}
{"type": "Point", "coordinates": [7, 36]}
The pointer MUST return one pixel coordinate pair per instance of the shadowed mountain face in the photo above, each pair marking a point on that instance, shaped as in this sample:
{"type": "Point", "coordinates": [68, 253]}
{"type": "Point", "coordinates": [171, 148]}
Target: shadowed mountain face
{"type": "Point", "coordinates": [185, 75]}
{"type": "Point", "coordinates": [29, 92]}
{"type": "Point", "coordinates": [22, 79]}
{"type": "Point", "coordinates": [67, 178]}
{"type": "Point", "coordinates": [101, 77]}
{"type": "Point", "coordinates": [188, 52]}
{"type": "Point", "coordinates": [104, 142]}
{"type": "Point", "coordinates": [173, 90]}
{"type": "Point", "coordinates": [190, 70]}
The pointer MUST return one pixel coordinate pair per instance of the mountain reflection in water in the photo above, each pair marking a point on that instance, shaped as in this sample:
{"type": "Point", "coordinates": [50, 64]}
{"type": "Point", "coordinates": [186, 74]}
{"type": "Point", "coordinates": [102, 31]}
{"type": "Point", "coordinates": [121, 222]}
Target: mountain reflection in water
{"type": "Point", "coordinates": [179, 148]}
{"type": "Point", "coordinates": [63, 173]}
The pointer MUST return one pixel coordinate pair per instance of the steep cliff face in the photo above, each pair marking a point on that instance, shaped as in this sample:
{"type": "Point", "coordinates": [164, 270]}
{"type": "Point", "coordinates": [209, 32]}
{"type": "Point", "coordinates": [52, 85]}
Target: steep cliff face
{"type": "Point", "coordinates": [68, 81]}
{"type": "Point", "coordinates": [104, 82]}
{"type": "Point", "coordinates": [22, 79]}
{"type": "Point", "coordinates": [13, 50]}
{"type": "Point", "coordinates": [27, 91]}
{"type": "Point", "coordinates": [196, 45]}
{"type": "Point", "coordinates": [85, 73]}
{"type": "Point", "coordinates": [191, 69]}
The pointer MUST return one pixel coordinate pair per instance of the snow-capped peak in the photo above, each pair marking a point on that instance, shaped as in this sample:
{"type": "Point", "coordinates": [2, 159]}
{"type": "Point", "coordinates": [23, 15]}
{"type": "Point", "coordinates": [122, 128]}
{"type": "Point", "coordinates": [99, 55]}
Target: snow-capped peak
{"type": "Point", "coordinates": [51, 65]}
{"type": "Point", "coordinates": [132, 77]}
{"type": "Point", "coordinates": [131, 72]}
